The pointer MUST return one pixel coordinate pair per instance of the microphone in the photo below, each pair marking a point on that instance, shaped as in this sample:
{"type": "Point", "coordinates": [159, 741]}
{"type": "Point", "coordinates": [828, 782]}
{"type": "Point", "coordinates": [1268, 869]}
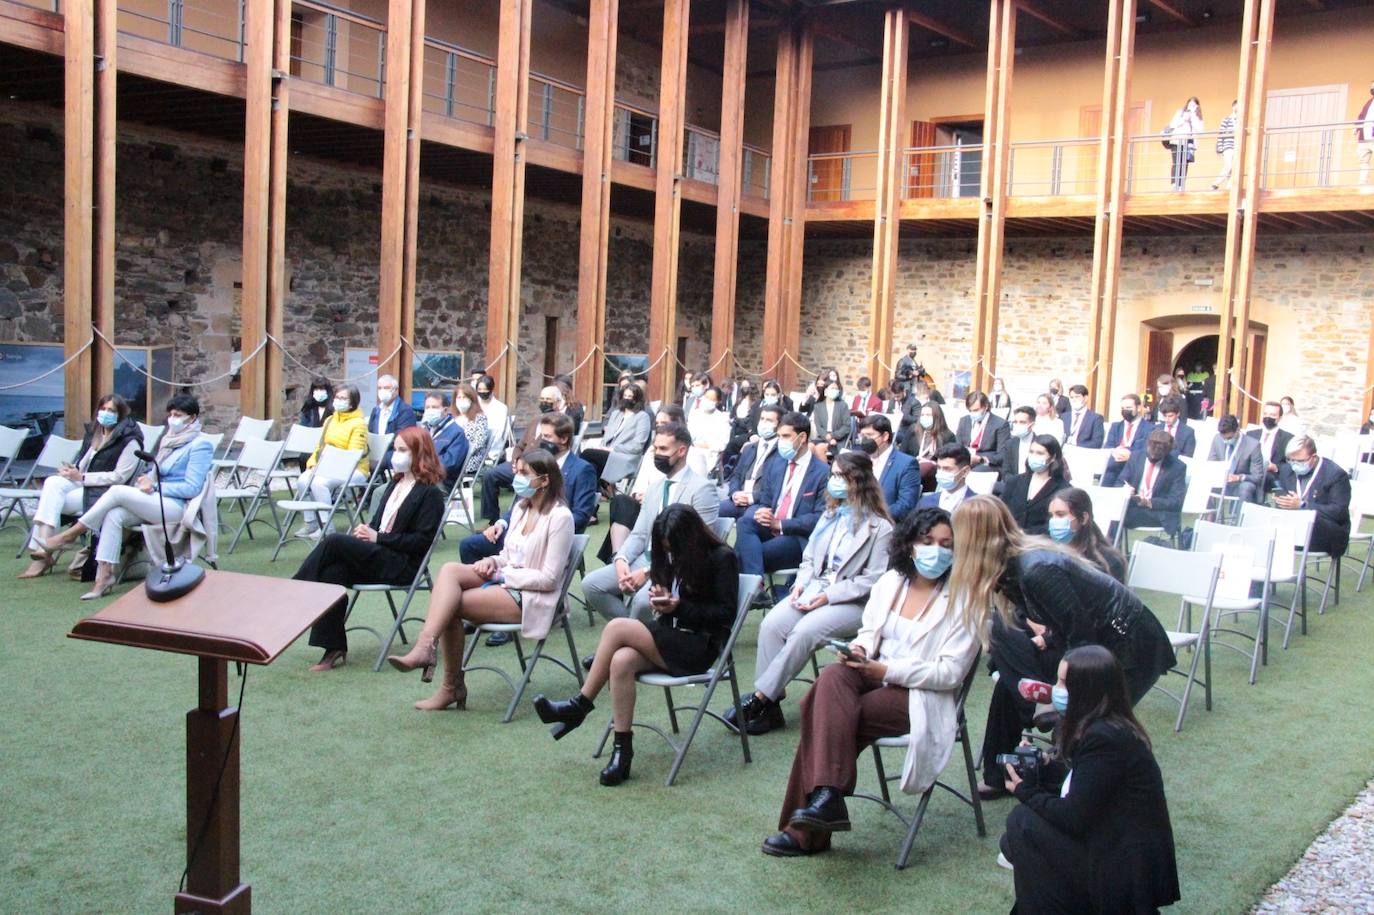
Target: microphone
{"type": "Point", "coordinates": [176, 577]}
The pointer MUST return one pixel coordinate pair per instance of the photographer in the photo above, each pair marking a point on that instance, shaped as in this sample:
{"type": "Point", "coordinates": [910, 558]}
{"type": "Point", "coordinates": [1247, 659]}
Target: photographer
{"type": "Point", "coordinates": [1103, 843]}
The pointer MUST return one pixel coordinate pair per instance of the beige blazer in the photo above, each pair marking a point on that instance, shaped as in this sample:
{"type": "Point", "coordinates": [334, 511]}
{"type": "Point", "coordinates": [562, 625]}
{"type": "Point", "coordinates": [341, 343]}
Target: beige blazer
{"type": "Point", "coordinates": [861, 564]}
{"type": "Point", "coordinates": [540, 579]}
{"type": "Point", "coordinates": [931, 663]}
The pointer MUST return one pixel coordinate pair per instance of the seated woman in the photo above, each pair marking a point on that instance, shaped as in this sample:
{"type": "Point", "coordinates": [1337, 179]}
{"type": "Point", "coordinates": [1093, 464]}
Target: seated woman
{"type": "Point", "coordinates": [710, 428]}
{"type": "Point", "coordinates": [626, 430]}
{"type": "Point", "coordinates": [472, 418]}
{"type": "Point", "coordinates": [520, 584]}
{"type": "Point", "coordinates": [1071, 523]}
{"type": "Point", "coordinates": [318, 405]}
{"type": "Point", "coordinates": [183, 462]}
{"type": "Point", "coordinates": [1028, 494]}
{"type": "Point", "coordinates": [389, 550]}
{"type": "Point", "coordinates": [694, 586]}
{"type": "Point", "coordinates": [108, 458]}
{"type": "Point", "coordinates": [845, 555]}
{"type": "Point", "coordinates": [450, 444]}
{"type": "Point", "coordinates": [928, 435]}
{"type": "Point", "coordinates": [1047, 419]}
{"type": "Point", "coordinates": [744, 417]}
{"type": "Point", "coordinates": [1103, 843]}
{"type": "Point", "coordinates": [345, 428]}
{"type": "Point", "coordinates": [914, 648]}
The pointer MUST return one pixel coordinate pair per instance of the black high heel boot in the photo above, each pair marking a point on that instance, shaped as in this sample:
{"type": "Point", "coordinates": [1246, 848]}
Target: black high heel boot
{"type": "Point", "coordinates": [618, 769]}
{"type": "Point", "coordinates": [564, 716]}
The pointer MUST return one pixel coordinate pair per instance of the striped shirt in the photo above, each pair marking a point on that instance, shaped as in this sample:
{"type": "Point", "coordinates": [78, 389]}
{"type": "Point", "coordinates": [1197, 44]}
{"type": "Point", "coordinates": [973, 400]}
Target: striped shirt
{"type": "Point", "coordinates": [1226, 138]}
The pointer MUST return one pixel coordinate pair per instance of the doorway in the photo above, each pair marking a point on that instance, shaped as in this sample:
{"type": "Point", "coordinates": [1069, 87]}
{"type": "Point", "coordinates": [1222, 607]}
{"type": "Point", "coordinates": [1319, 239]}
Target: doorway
{"type": "Point", "coordinates": [1171, 342]}
{"type": "Point", "coordinates": [550, 347]}
{"type": "Point", "coordinates": [947, 158]}
{"type": "Point", "coordinates": [830, 176]}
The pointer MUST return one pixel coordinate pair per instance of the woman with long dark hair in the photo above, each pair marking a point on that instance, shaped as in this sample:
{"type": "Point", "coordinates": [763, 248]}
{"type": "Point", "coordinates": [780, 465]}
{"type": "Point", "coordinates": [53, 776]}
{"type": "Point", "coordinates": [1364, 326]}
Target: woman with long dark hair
{"type": "Point", "coordinates": [1028, 494]}
{"type": "Point", "coordinates": [1103, 843]}
{"type": "Point", "coordinates": [928, 435]}
{"type": "Point", "coordinates": [694, 584]}
{"type": "Point", "coordinates": [1071, 523]}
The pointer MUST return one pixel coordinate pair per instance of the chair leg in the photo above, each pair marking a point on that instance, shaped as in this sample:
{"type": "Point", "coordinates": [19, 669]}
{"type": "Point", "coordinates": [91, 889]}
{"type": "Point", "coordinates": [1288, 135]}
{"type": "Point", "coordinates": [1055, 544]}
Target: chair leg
{"type": "Point", "coordinates": [1188, 687]}
{"type": "Point", "coordinates": [572, 652]}
{"type": "Point", "coordinates": [915, 827]}
{"type": "Point", "coordinates": [529, 666]}
{"type": "Point", "coordinates": [882, 774]}
{"type": "Point", "coordinates": [739, 715]}
{"type": "Point", "coordinates": [672, 713]}
{"type": "Point", "coordinates": [974, 799]}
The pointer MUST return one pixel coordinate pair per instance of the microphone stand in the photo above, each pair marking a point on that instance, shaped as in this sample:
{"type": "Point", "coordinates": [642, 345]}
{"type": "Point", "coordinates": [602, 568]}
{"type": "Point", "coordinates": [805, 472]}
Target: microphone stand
{"type": "Point", "coordinates": [177, 577]}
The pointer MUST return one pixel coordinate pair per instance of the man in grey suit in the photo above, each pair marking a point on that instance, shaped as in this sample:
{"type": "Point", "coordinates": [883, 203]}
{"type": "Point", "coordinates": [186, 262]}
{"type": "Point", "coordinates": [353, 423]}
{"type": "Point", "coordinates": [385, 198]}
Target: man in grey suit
{"type": "Point", "coordinates": [627, 577]}
{"type": "Point", "coordinates": [1246, 468]}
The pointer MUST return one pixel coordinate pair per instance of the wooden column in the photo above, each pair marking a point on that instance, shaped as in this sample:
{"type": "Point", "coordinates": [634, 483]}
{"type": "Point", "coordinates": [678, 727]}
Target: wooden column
{"type": "Point", "coordinates": [731, 186]}
{"type": "Point", "coordinates": [400, 187]}
{"type": "Point", "coordinates": [593, 246]}
{"type": "Point", "coordinates": [103, 189]}
{"type": "Point", "coordinates": [1111, 185]}
{"type": "Point", "coordinates": [78, 191]}
{"type": "Point", "coordinates": [1257, 28]}
{"type": "Point", "coordinates": [996, 161]}
{"type": "Point", "coordinates": [887, 221]}
{"type": "Point", "coordinates": [270, 360]}
{"type": "Point", "coordinates": [672, 105]}
{"type": "Point", "coordinates": [508, 193]}
{"type": "Point", "coordinates": [787, 202]}
{"type": "Point", "coordinates": [259, 20]}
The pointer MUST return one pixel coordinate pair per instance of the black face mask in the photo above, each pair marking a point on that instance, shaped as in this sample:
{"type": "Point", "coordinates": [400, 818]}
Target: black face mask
{"type": "Point", "coordinates": [663, 464]}
{"type": "Point", "coordinates": [1270, 422]}
{"type": "Point", "coordinates": [868, 446]}
{"type": "Point", "coordinates": [484, 395]}
{"type": "Point", "coordinates": [550, 447]}
{"type": "Point", "coordinates": [545, 407]}
{"type": "Point", "coordinates": [1128, 415]}
{"type": "Point", "coordinates": [628, 401]}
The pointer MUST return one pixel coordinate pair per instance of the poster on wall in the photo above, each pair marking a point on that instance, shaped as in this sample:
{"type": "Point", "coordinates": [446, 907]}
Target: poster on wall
{"type": "Point", "coordinates": [430, 370]}
{"type": "Point", "coordinates": [960, 383]}
{"type": "Point", "coordinates": [36, 407]}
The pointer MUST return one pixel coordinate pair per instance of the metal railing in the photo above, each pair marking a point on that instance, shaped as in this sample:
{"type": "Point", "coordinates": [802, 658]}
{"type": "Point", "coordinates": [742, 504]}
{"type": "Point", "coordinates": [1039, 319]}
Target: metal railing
{"type": "Point", "coordinates": [206, 27]}
{"type": "Point", "coordinates": [1051, 168]}
{"type": "Point", "coordinates": [841, 176]}
{"type": "Point", "coordinates": [758, 172]}
{"type": "Point", "coordinates": [458, 83]}
{"type": "Point", "coordinates": [1316, 155]}
{"type": "Point", "coordinates": [942, 172]}
{"type": "Point", "coordinates": [557, 111]}
{"type": "Point", "coordinates": [51, 6]}
{"type": "Point", "coordinates": [338, 48]}
{"type": "Point", "coordinates": [701, 155]}
{"type": "Point", "coordinates": [1159, 164]}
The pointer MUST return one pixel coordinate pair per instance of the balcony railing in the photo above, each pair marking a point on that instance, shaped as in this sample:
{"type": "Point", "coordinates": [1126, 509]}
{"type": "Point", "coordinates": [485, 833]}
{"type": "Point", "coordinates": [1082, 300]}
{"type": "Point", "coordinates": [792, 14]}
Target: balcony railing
{"type": "Point", "coordinates": [1155, 165]}
{"type": "Point", "coordinates": [1315, 156]}
{"type": "Point", "coordinates": [1051, 168]}
{"type": "Point", "coordinates": [458, 83]}
{"type": "Point", "coordinates": [201, 25]}
{"type": "Point", "coordinates": [557, 111]}
{"type": "Point", "coordinates": [758, 172]}
{"type": "Point", "coordinates": [338, 48]}
{"type": "Point", "coordinates": [52, 6]}
{"type": "Point", "coordinates": [841, 176]}
{"type": "Point", "coordinates": [943, 172]}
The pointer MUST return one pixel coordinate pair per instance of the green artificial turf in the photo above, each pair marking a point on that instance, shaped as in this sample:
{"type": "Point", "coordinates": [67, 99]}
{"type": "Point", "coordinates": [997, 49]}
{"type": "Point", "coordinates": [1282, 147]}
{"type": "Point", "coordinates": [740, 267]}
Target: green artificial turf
{"type": "Point", "coordinates": [352, 801]}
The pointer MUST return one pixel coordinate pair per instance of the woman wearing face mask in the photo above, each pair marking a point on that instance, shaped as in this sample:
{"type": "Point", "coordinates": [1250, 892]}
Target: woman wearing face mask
{"type": "Point", "coordinates": [694, 585]}
{"type": "Point", "coordinates": [387, 551]}
{"type": "Point", "coordinates": [1047, 420]}
{"type": "Point", "coordinates": [627, 430]}
{"type": "Point", "coordinates": [1166, 386]}
{"type": "Point", "coordinates": [521, 584]}
{"type": "Point", "coordinates": [1182, 133]}
{"type": "Point", "coordinates": [915, 645]}
{"type": "Point", "coordinates": [107, 458]}
{"type": "Point", "coordinates": [183, 463]}
{"type": "Point", "coordinates": [774, 397]}
{"type": "Point", "coordinates": [1071, 524]}
{"type": "Point", "coordinates": [345, 428]}
{"type": "Point", "coordinates": [318, 405]}
{"type": "Point", "coordinates": [928, 435]}
{"type": "Point", "coordinates": [449, 441]}
{"type": "Point", "coordinates": [1028, 494]}
{"type": "Point", "coordinates": [497, 414]}
{"type": "Point", "coordinates": [470, 415]}
{"type": "Point", "coordinates": [1103, 842]}
{"type": "Point", "coordinates": [744, 417]}
{"type": "Point", "coordinates": [710, 428]}
{"type": "Point", "coordinates": [999, 401]}
{"type": "Point", "coordinates": [830, 422]}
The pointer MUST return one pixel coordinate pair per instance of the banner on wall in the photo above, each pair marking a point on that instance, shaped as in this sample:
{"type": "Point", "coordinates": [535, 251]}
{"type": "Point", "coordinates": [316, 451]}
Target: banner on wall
{"type": "Point", "coordinates": [430, 370]}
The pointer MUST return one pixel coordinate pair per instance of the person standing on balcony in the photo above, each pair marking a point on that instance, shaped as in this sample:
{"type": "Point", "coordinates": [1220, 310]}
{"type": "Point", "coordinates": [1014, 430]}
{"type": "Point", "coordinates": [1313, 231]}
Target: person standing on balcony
{"type": "Point", "coordinates": [1364, 135]}
{"type": "Point", "coordinates": [1183, 128]}
{"type": "Point", "coordinates": [1226, 148]}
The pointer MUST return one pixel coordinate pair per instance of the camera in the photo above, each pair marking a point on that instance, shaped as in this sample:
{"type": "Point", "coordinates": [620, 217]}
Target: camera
{"type": "Point", "coordinates": [1026, 762]}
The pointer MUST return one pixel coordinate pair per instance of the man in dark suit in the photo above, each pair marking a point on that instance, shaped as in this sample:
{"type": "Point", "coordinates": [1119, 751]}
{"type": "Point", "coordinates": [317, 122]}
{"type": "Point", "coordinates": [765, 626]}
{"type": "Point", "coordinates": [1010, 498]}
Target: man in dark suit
{"type": "Point", "coordinates": [1273, 442]}
{"type": "Point", "coordinates": [952, 464]}
{"type": "Point", "coordinates": [981, 433]}
{"type": "Point", "coordinates": [1173, 411]}
{"type": "Point", "coordinates": [754, 461]}
{"type": "Point", "coordinates": [898, 473]}
{"type": "Point", "coordinates": [1125, 438]}
{"type": "Point", "coordinates": [1308, 481]}
{"type": "Point", "coordinates": [1159, 481]}
{"type": "Point", "coordinates": [1017, 447]}
{"type": "Point", "coordinates": [1245, 467]}
{"type": "Point", "coordinates": [772, 533]}
{"type": "Point", "coordinates": [391, 414]}
{"type": "Point", "coordinates": [1082, 427]}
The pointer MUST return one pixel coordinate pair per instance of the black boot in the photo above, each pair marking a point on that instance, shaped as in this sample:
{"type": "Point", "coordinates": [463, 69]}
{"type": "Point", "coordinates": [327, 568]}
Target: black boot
{"type": "Point", "coordinates": [825, 812]}
{"type": "Point", "coordinates": [564, 716]}
{"type": "Point", "coordinates": [618, 769]}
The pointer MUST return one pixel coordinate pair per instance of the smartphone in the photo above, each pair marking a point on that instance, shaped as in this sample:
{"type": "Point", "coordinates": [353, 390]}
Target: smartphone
{"type": "Point", "coordinates": [843, 648]}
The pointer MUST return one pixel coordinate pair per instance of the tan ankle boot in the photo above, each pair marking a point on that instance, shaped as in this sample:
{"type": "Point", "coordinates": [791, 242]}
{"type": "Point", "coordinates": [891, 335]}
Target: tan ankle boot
{"type": "Point", "coordinates": [423, 654]}
{"type": "Point", "coordinates": [453, 691]}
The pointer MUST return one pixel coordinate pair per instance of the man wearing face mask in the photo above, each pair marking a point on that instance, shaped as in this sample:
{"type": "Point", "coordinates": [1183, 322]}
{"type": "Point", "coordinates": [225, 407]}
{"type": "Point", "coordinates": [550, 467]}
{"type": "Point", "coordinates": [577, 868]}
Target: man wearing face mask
{"type": "Point", "coordinates": [983, 434]}
{"type": "Point", "coordinates": [391, 414]}
{"type": "Point", "coordinates": [1309, 481]}
{"type": "Point", "coordinates": [898, 473]}
{"type": "Point", "coordinates": [1173, 420]}
{"type": "Point", "coordinates": [1244, 465]}
{"type": "Point", "coordinates": [1124, 439]}
{"type": "Point", "coordinates": [621, 588]}
{"type": "Point", "coordinates": [754, 461]}
{"type": "Point", "coordinates": [499, 477]}
{"type": "Point", "coordinates": [952, 465]}
{"type": "Point", "coordinates": [1017, 448]}
{"type": "Point", "coordinates": [1273, 442]}
{"type": "Point", "coordinates": [449, 441]}
{"type": "Point", "coordinates": [1082, 427]}
{"type": "Point", "coordinates": [496, 412]}
{"type": "Point", "coordinates": [1158, 482]}
{"type": "Point", "coordinates": [1364, 135]}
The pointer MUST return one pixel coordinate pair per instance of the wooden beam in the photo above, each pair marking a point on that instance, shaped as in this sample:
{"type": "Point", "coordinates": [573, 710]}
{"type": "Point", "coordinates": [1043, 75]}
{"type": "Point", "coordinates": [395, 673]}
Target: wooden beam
{"type": "Point", "coordinates": [1033, 10]}
{"type": "Point", "coordinates": [414, 125]}
{"type": "Point", "coordinates": [593, 257]}
{"type": "Point", "coordinates": [106, 45]}
{"type": "Point", "coordinates": [1167, 8]}
{"type": "Point", "coordinates": [259, 18]}
{"type": "Point", "coordinates": [508, 194]}
{"type": "Point", "coordinates": [848, 39]}
{"type": "Point", "coordinates": [393, 358]}
{"type": "Point", "coordinates": [931, 24]}
{"type": "Point", "coordinates": [731, 181]}
{"type": "Point", "coordinates": [790, 372]}
{"type": "Point", "coordinates": [78, 191]}
{"type": "Point", "coordinates": [723, 27]}
{"type": "Point", "coordinates": [892, 159]}
{"type": "Point", "coordinates": [272, 358]}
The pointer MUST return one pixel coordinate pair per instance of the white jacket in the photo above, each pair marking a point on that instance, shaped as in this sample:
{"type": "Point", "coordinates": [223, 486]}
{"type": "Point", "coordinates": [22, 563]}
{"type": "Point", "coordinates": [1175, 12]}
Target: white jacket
{"type": "Point", "coordinates": [931, 663]}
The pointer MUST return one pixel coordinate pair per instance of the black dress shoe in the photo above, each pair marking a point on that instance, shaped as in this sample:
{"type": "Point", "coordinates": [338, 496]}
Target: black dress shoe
{"type": "Point", "coordinates": [783, 845]}
{"type": "Point", "coordinates": [825, 813]}
{"type": "Point", "coordinates": [497, 639]}
{"type": "Point", "coordinates": [748, 706]}
{"type": "Point", "coordinates": [767, 717]}
{"type": "Point", "coordinates": [587, 661]}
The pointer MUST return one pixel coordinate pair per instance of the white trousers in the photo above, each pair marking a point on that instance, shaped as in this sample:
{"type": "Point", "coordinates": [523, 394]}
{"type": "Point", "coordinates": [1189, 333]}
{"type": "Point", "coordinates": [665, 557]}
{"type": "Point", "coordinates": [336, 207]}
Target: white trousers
{"type": "Point", "coordinates": [122, 508]}
{"type": "Point", "coordinates": [322, 490]}
{"type": "Point", "coordinates": [59, 497]}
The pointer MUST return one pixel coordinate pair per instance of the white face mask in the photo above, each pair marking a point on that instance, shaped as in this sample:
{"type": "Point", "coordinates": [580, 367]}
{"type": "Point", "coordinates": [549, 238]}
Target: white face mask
{"type": "Point", "coordinates": [321, 396]}
{"type": "Point", "coordinates": [176, 423]}
{"type": "Point", "coordinates": [341, 406]}
{"type": "Point", "coordinates": [462, 404]}
{"type": "Point", "coordinates": [400, 461]}
{"type": "Point", "coordinates": [384, 396]}
{"type": "Point", "coordinates": [432, 415]}
{"type": "Point", "coordinates": [709, 406]}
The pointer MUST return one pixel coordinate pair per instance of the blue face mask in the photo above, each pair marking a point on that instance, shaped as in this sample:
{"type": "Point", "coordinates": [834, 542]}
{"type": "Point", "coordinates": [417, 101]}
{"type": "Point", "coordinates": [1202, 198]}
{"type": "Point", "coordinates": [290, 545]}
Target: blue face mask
{"type": "Point", "coordinates": [944, 480]}
{"type": "Point", "coordinates": [1059, 698]}
{"type": "Point", "coordinates": [522, 486]}
{"type": "Point", "coordinates": [1061, 530]}
{"type": "Point", "coordinates": [837, 488]}
{"type": "Point", "coordinates": [106, 418]}
{"type": "Point", "coordinates": [1036, 464]}
{"type": "Point", "coordinates": [787, 448]}
{"type": "Point", "coordinates": [1301, 468]}
{"type": "Point", "coordinates": [932, 560]}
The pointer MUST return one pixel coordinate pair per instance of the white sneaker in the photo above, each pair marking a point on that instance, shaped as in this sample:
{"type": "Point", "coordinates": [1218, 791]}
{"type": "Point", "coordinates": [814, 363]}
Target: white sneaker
{"type": "Point", "coordinates": [1003, 862]}
{"type": "Point", "coordinates": [308, 532]}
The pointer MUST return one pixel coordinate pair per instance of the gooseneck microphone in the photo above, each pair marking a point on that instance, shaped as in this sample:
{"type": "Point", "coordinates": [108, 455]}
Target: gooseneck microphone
{"type": "Point", "coordinates": [176, 577]}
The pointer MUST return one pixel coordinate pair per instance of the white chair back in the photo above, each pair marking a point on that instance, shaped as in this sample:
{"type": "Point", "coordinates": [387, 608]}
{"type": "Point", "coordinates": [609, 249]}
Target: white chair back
{"type": "Point", "coordinates": [1291, 527]}
{"type": "Point", "coordinates": [722, 527]}
{"type": "Point", "coordinates": [376, 448]}
{"type": "Point", "coordinates": [1109, 505]}
{"type": "Point", "coordinates": [303, 439]}
{"type": "Point", "coordinates": [56, 452]}
{"type": "Point", "coordinates": [1345, 451]}
{"type": "Point", "coordinates": [259, 456]}
{"type": "Point", "coordinates": [1085, 464]}
{"type": "Point", "coordinates": [11, 440]}
{"type": "Point", "coordinates": [1203, 434]}
{"type": "Point", "coordinates": [337, 464]}
{"type": "Point", "coordinates": [1158, 568]}
{"type": "Point", "coordinates": [1256, 543]}
{"type": "Point", "coordinates": [151, 436]}
{"type": "Point", "coordinates": [982, 482]}
{"type": "Point", "coordinates": [250, 429]}
{"type": "Point", "coordinates": [1204, 478]}
{"type": "Point", "coordinates": [214, 438]}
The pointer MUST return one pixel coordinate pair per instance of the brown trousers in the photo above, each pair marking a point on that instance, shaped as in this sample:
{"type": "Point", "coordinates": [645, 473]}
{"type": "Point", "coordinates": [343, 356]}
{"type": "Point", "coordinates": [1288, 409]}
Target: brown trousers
{"type": "Point", "coordinates": [841, 714]}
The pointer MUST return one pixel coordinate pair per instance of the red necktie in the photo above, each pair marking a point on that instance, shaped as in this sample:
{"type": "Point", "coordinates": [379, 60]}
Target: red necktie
{"type": "Point", "coordinates": [978, 436]}
{"type": "Point", "coordinates": [785, 503]}
{"type": "Point", "coordinates": [1130, 435]}
{"type": "Point", "coordinates": [1147, 488]}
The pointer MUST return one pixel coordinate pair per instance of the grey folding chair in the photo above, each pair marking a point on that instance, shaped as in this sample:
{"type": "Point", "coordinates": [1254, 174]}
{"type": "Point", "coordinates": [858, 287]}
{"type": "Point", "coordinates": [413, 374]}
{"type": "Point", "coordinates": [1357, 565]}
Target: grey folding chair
{"type": "Point", "coordinates": [1208, 537]}
{"type": "Point", "coordinates": [1361, 509]}
{"type": "Point", "coordinates": [11, 442]}
{"type": "Point", "coordinates": [255, 462]}
{"type": "Point", "coordinates": [722, 669]}
{"type": "Point", "coordinates": [248, 430]}
{"type": "Point", "coordinates": [334, 464]}
{"type": "Point", "coordinates": [527, 665]}
{"type": "Point", "coordinates": [723, 527]}
{"type": "Point", "coordinates": [961, 736]}
{"type": "Point", "coordinates": [301, 441]}
{"type": "Point", "coordinates": [1290, 565]}
{"type": "Point", "coordinates": [56, 452]}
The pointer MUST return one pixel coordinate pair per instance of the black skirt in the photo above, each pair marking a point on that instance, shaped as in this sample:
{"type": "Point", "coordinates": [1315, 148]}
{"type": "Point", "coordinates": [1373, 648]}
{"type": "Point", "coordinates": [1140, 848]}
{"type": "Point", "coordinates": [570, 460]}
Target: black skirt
{"type": "Point", "coordinates": [686, 653]}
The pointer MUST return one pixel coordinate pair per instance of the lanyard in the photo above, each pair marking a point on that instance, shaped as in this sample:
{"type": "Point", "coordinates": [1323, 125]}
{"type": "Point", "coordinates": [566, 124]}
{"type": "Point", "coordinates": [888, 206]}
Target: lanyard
{"type": "Point", "coordinates": [1311, 481]}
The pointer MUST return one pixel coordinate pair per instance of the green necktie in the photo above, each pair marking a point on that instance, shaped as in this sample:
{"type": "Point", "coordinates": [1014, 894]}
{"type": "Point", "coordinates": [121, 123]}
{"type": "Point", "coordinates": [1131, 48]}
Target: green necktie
{"type": "Point", "coordinates": [666, 483]}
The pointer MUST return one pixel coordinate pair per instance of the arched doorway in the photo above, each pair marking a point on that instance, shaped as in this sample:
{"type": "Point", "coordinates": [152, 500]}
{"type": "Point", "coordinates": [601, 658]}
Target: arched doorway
{"type": "Point", "coordinates": [1198, 360]}
{"type": "Point", "coordinates": [1171, 341]}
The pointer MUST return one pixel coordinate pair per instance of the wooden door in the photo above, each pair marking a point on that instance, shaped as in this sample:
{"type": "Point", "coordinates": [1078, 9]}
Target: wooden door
{"type": "Point", "coordinates": [1254, 381]}
{"type": "Point", "coordinates": [921, 167]}
{"type": "Point", "coordinates": [1159, 358]}
{"type": "Point", "coordinates": [829, 176]}
{"type": "Point", "coordinates": [1082, 167]}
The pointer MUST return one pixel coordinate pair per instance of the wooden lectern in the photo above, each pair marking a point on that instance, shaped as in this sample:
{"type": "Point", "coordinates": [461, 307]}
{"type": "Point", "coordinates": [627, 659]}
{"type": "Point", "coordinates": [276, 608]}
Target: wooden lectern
{"type": "Point", "coordinates": [229, 617]}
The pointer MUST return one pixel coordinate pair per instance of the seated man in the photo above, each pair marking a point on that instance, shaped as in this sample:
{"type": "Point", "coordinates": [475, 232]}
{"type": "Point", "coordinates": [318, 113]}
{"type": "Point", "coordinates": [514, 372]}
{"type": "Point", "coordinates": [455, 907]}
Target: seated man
{"type": "Point", "coordinates": [449, 441]}
{"type": "Point", "coordinates": [1307, 481]}
{"type": "Point", "coordinates": [1124, 439]}
{"type": "Point", "coordinates": [1082, 425]}
{"type": "Point", "coordinates": [1245, 466]}
{"type": "Point", "coordinates": [1173, 411]}
{"type": "Point", "coordinates": [982, 433]}
{"type": "Point", "coordinates": [898, 473]}
{"type": "Point", "coordinates": [626, 578]}
{"type": "Point", "coordinates": [391, 414]}
{"type": "Point", "coordinates": [772, 533]}
{"type": "Point", "coordinates": [1273, 442]}
{"type": "Point", "coordinates": [754, 460]}
{"type": "Point", "coordinates": [499, 477]}
{"type": "Point", "coordinates": [1158, 481]}
{"type": "Point", "coordinates": [952, 464]}
{"type": "Point", "coordinates": [624, 509]}
{"type": "Point", "coordinates": [1017, 447]}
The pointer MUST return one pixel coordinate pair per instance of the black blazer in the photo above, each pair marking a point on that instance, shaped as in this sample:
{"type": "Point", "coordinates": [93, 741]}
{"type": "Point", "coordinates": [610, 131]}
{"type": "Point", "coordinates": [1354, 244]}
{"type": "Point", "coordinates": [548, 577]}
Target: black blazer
{"type": "Point", "coordinates": [1032, 514]}
{"type": "Point", "coordinates": [712, 612]}
{"type": "Point", "coordinates": [1116, 808]}
{"type": "Point", "coordinates": [1281, 440]}
{"type": "Point", "coordinates": [1166, 499]}
{"type": "Point", "coordinates": [1329, 497]}
{"type": "Point", "coordinates": [912, 443]}
{"type": "Point", "coordinates": [1009, 464]}
{"type": "Point", "coordinates": [994, 438]}
{"type": "Point", "coordinates": [400, 551]}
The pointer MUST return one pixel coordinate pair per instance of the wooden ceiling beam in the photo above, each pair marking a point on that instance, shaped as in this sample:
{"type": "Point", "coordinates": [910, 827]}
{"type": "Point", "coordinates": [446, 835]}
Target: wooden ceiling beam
{"type": "Point", "coordinates": [1167, 8]}
{"type": "Point", "coordinates": [1054, 22]}
{"type": "Point", "coordinates": [931, 24]}
{"type": "Point", "coordinates": [831, 33]}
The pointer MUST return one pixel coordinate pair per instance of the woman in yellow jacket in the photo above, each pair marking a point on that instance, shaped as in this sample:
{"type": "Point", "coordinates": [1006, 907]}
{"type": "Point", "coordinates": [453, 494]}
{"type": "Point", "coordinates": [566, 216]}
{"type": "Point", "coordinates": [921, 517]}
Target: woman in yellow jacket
{"type": "Point", "coordinates": [347, 429]}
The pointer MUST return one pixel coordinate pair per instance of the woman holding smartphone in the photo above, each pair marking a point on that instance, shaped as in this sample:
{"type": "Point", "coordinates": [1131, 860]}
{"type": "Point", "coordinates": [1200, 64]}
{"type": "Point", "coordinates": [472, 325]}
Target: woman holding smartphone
{"type": "Point", "coordinates": [899, 676]}
{"type": "Point", "coordinates": [694, 586]}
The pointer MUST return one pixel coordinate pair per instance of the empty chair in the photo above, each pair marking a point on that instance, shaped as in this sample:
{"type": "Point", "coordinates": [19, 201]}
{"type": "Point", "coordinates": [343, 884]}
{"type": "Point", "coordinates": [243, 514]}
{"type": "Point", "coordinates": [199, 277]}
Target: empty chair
{"type": "Point", "coordinates": [300, 442]}
{"type": "Point", "coordinates": [1086, 465]}
{"type": "Point", "coordinates": [1292, 529]}
{"type": "Point", "coordinates": [56, 452]}
{"type": "Point", "coordinates": [1247, 558]}
{"type": "Point", "coordinates": [254, 465]}
{"type": "Point", "coordinates": [1109, 508]}
{"type": "Point", "coordinates": [11, 441]}
{"type": "Point", "coordinates": [248, 430]}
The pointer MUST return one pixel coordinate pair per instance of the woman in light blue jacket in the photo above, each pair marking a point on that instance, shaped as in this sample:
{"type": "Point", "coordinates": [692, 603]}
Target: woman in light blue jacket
{"type": "Point", "coordinates": [183, 460]}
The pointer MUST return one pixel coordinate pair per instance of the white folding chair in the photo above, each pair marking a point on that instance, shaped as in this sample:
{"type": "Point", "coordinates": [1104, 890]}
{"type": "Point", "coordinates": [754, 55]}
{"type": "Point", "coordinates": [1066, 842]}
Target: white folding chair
{"type": "Point", "coordinates": [260, 458]}
{"type": "Point", "coordinates": [913, 822]}
{"type": "Point", "coordinates": [377, 447]}
{"type": "Point", "coordinates": [1109, 507]}
{"type": "Point", "coordinates": [248, 430]}
{"type": "Point", "coordinates": [724, 668]}
{"type": "Point", "coordinates": [151, 436]}
{"type": "Point", "coordinates": [722, 527]}
{"type": "Point", "coordinates": [527, 665]}
{"type": "Point", "coordinates": [1247, 558]}
{"type": "Point", "coordinates": [1206, 490]}
{"type": "Point", "coordinates": [981, 482]}
{"type": "Point", "coordinates": [1361, 508]}
{"type": "Point", "coordinates": [1086, 465]}
{"type": "Point", "coordinates": [1298, 525]}
{"type": "Point", "coordinates": [301, 441]}
{"type": "Point", "coordinates": [11, 442]}
{"type": "Point", "coordinates": [1193, 578]}
{"type": "Point", "coordinates": [56, 451]}
{"type": "Point", "coordinates": [334, 464]}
